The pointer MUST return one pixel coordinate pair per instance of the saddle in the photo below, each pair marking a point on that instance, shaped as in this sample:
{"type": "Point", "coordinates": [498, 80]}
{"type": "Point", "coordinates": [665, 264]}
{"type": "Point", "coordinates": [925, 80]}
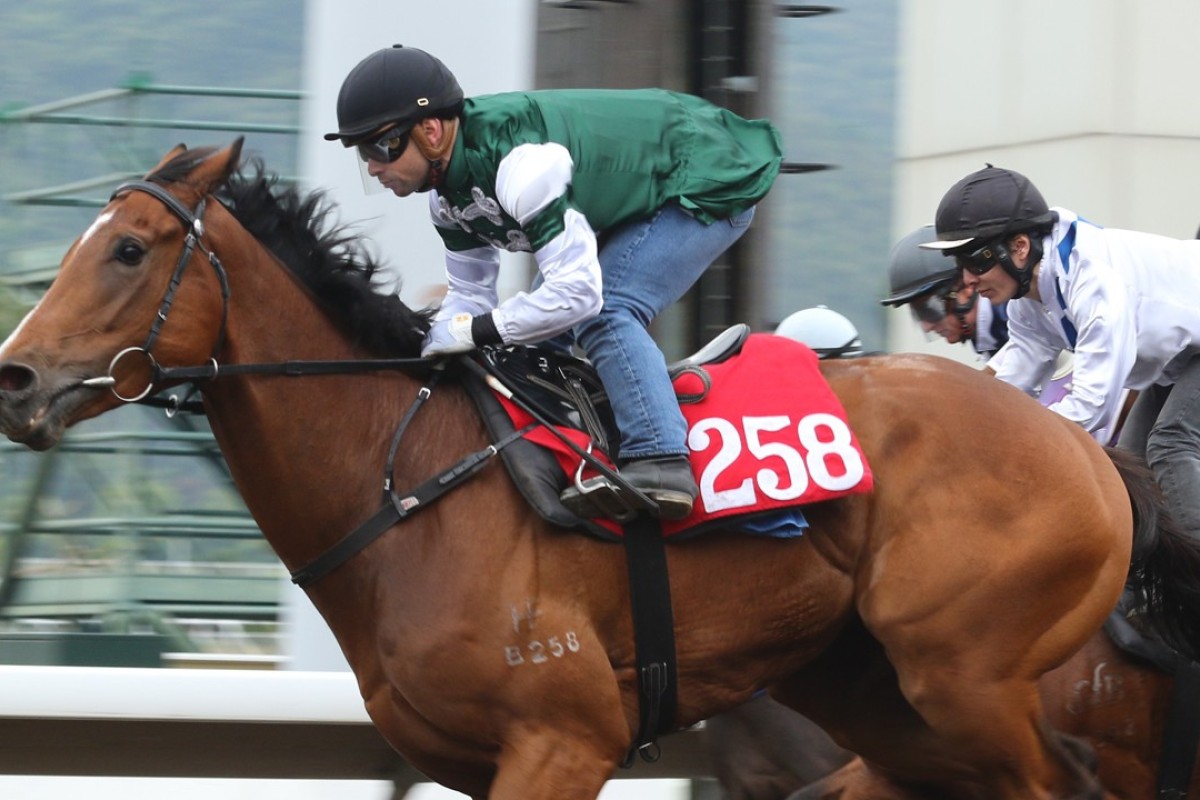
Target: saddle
{"type": "Point", "coordinates": [566, 391]}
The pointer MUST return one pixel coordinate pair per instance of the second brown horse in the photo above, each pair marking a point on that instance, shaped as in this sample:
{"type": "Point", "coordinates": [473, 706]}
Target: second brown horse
{"type": "Point", "coordinates": [1117, 702]}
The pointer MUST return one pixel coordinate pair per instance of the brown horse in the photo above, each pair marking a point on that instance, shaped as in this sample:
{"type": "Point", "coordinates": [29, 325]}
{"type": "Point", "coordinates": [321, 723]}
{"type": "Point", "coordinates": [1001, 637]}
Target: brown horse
{"type": "Point", "coordinates": [496, 652]}
{"type": "Point", "coordinates": [1119, 703]}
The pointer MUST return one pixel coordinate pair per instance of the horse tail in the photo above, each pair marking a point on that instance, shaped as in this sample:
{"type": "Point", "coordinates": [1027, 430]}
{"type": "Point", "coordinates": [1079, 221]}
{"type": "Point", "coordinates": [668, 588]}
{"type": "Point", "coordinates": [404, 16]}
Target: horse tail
{"type": "Point", "coordinates": [1164, 571]}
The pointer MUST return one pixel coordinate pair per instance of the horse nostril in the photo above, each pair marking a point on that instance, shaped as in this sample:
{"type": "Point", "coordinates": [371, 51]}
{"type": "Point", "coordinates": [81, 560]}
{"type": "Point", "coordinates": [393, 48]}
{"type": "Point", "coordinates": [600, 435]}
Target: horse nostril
{"type": "Point", "coordinates": [15, 378]}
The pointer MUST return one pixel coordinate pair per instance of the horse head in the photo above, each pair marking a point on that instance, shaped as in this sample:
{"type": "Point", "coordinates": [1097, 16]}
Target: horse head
{"type": "Point", "coordinates": [124, 299]}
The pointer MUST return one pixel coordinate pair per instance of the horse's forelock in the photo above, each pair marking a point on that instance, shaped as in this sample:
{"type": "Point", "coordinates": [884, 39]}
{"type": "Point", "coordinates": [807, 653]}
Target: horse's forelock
{"type": "Point", "coordinates": [329, 259]}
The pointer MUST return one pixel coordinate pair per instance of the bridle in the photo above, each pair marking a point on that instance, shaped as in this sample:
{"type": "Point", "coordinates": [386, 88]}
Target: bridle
{"type": "Point", "coordinates": [194, 226]}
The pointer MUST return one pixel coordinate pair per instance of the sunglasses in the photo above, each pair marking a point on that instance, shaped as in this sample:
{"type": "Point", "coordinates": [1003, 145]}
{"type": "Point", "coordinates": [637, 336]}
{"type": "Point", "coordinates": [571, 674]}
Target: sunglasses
{"type": "Point", "coordinates": [979, 261]}
{"type": "Point", "coordinates": [386, 148]}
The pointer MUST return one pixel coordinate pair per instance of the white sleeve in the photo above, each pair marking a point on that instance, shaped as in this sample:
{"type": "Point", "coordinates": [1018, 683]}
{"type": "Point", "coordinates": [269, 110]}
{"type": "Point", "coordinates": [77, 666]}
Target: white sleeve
{"type": "Point", "coordinates": [470, 282]}
{"type": "Point", "coordinates": [471, 275]}
{"type": "Point", "coordinates": [1105, 347]}
{"type": "Point", "coordinates": [997, 358]}
{"type": "Point", "coordinates": [531, 177]}
{"type": "Point", "coordinates": [571, 289]}
{"type": "Point", "coordinates": [528, 180]}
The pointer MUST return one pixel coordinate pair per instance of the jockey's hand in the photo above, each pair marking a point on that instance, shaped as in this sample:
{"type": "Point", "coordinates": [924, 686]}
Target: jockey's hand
{"type": "Point", "coordinates": [449, 336]}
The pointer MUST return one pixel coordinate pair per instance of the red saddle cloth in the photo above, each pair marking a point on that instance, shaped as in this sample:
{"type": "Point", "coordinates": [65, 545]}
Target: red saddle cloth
{"type": "Point", "coordinates": [768, 434]}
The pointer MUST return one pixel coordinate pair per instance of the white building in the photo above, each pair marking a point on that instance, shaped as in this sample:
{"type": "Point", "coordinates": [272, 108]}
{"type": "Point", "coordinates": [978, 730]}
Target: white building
{"type": "Point", "coordinates": [1087, 98]}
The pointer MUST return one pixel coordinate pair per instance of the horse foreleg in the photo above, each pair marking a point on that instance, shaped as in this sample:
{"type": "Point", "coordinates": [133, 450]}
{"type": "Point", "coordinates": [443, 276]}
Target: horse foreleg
{"type": "Point", "coordinates": [561, 723]}
{"type": "Point", "coordinates": [543, 764]}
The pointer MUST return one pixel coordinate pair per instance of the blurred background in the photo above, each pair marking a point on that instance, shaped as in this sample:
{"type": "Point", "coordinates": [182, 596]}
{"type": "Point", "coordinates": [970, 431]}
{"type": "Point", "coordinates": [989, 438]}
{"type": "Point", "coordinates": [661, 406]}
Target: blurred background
{"type": "Point", "coordinates": [128, 548]}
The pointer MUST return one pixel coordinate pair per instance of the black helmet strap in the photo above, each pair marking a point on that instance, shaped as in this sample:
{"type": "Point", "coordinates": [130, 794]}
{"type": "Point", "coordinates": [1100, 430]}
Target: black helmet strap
{"type": "Point", "coordinates": [1023, 277]}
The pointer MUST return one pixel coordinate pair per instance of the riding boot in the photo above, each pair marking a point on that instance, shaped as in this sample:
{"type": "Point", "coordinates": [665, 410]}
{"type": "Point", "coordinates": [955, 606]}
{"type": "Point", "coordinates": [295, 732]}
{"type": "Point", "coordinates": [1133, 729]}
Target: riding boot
{"type": "Point", "coordinates": [667, 480]}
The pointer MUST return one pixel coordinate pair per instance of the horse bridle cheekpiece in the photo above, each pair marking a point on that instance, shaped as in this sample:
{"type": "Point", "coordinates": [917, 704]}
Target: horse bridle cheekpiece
{"type": "Point", "coordinates": [194, 225]}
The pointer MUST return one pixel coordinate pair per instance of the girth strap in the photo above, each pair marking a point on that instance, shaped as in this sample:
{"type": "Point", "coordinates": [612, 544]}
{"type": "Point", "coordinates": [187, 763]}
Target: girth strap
{"type": "Point", "coordinates": [653, 635]}
{"type": "Point", "coordinates": [1181, 731]}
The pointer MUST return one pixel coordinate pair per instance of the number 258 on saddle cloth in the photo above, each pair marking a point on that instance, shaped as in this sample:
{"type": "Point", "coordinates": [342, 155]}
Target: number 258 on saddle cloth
{"type": "Point", "coordinates": [768, 434]}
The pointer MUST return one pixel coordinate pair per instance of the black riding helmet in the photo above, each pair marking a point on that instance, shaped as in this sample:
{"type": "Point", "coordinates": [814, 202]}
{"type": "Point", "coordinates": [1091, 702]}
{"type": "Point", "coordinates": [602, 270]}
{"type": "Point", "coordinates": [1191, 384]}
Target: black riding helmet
{"type": "Point", "coordinates": [986, 208]}
{"type": "Point", "coordinates": [396, 85]}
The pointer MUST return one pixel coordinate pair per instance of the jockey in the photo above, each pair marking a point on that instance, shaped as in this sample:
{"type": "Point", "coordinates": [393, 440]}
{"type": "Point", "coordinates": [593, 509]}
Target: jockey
{"type": "Point", "coordinates": [623, 197]}
{"type": "Point", "coordinates": [1126, 303]}
{"type": "Point", "coordinates": [825, 331]}
{"type": "Point", "coordinates": [934, 293]}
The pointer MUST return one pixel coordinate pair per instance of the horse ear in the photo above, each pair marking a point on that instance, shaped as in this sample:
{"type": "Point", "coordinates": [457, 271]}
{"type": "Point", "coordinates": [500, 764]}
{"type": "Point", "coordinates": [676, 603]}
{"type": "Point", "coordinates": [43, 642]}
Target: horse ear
{"type": "Point", "coordinates": [172, 153]}
{"type": "Point", "coordinates": [217, 168]}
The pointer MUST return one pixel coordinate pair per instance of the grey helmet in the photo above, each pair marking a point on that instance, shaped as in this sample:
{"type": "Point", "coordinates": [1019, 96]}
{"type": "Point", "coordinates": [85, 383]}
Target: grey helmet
{"type": "Point", "coordinates": [398, 86]}
{"type": "Point", "coordinates": [914, 271]}
{"type": "Point", "coordinates": [828, 333]}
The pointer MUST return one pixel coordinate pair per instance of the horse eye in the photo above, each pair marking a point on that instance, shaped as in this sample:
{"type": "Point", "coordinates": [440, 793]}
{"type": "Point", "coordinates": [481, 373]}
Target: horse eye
{"type": "Point", "coordinates": [130, 252]}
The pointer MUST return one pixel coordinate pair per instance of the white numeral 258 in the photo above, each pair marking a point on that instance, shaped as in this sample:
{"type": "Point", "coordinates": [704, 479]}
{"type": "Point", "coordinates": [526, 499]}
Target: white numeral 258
{"type": "Point", "coordinates": [800, 468]}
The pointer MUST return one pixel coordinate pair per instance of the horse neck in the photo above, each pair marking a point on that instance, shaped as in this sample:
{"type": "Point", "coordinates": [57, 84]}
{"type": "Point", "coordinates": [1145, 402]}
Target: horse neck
{"type": "Point", "coordinates": [307, 453]}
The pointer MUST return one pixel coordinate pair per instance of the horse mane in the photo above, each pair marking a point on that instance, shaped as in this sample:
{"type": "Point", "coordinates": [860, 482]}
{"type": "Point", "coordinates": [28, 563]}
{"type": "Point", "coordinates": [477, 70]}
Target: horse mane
{"type": "Point", "coordinates": [330, 260]}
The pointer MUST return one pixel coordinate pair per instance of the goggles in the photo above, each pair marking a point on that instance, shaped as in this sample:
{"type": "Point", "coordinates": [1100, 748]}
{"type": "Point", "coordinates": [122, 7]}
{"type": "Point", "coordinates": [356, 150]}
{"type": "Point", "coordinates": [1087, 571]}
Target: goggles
{"type": "Point", "coordinates": [385, 148]}
{"type": "Point", "coordinates": [979, 261]}
{"type": "Point", "coordinates": [929, 308]}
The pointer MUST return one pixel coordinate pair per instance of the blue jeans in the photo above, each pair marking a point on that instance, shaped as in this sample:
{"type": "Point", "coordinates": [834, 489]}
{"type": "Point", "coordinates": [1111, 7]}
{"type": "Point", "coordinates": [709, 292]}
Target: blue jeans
{"type": "Point", "coordinates": [647, 265]}
{"type": "Point", "coordinates": [1164, 425]}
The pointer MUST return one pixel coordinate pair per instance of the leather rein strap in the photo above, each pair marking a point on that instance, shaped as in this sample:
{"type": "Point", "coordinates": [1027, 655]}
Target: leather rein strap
{"type": "Point", "coordinates": [194, 225]}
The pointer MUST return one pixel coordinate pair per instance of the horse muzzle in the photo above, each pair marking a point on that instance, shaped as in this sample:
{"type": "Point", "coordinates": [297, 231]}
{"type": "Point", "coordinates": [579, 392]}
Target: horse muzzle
{"type": "Point", "coordinates": [33, 411]}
